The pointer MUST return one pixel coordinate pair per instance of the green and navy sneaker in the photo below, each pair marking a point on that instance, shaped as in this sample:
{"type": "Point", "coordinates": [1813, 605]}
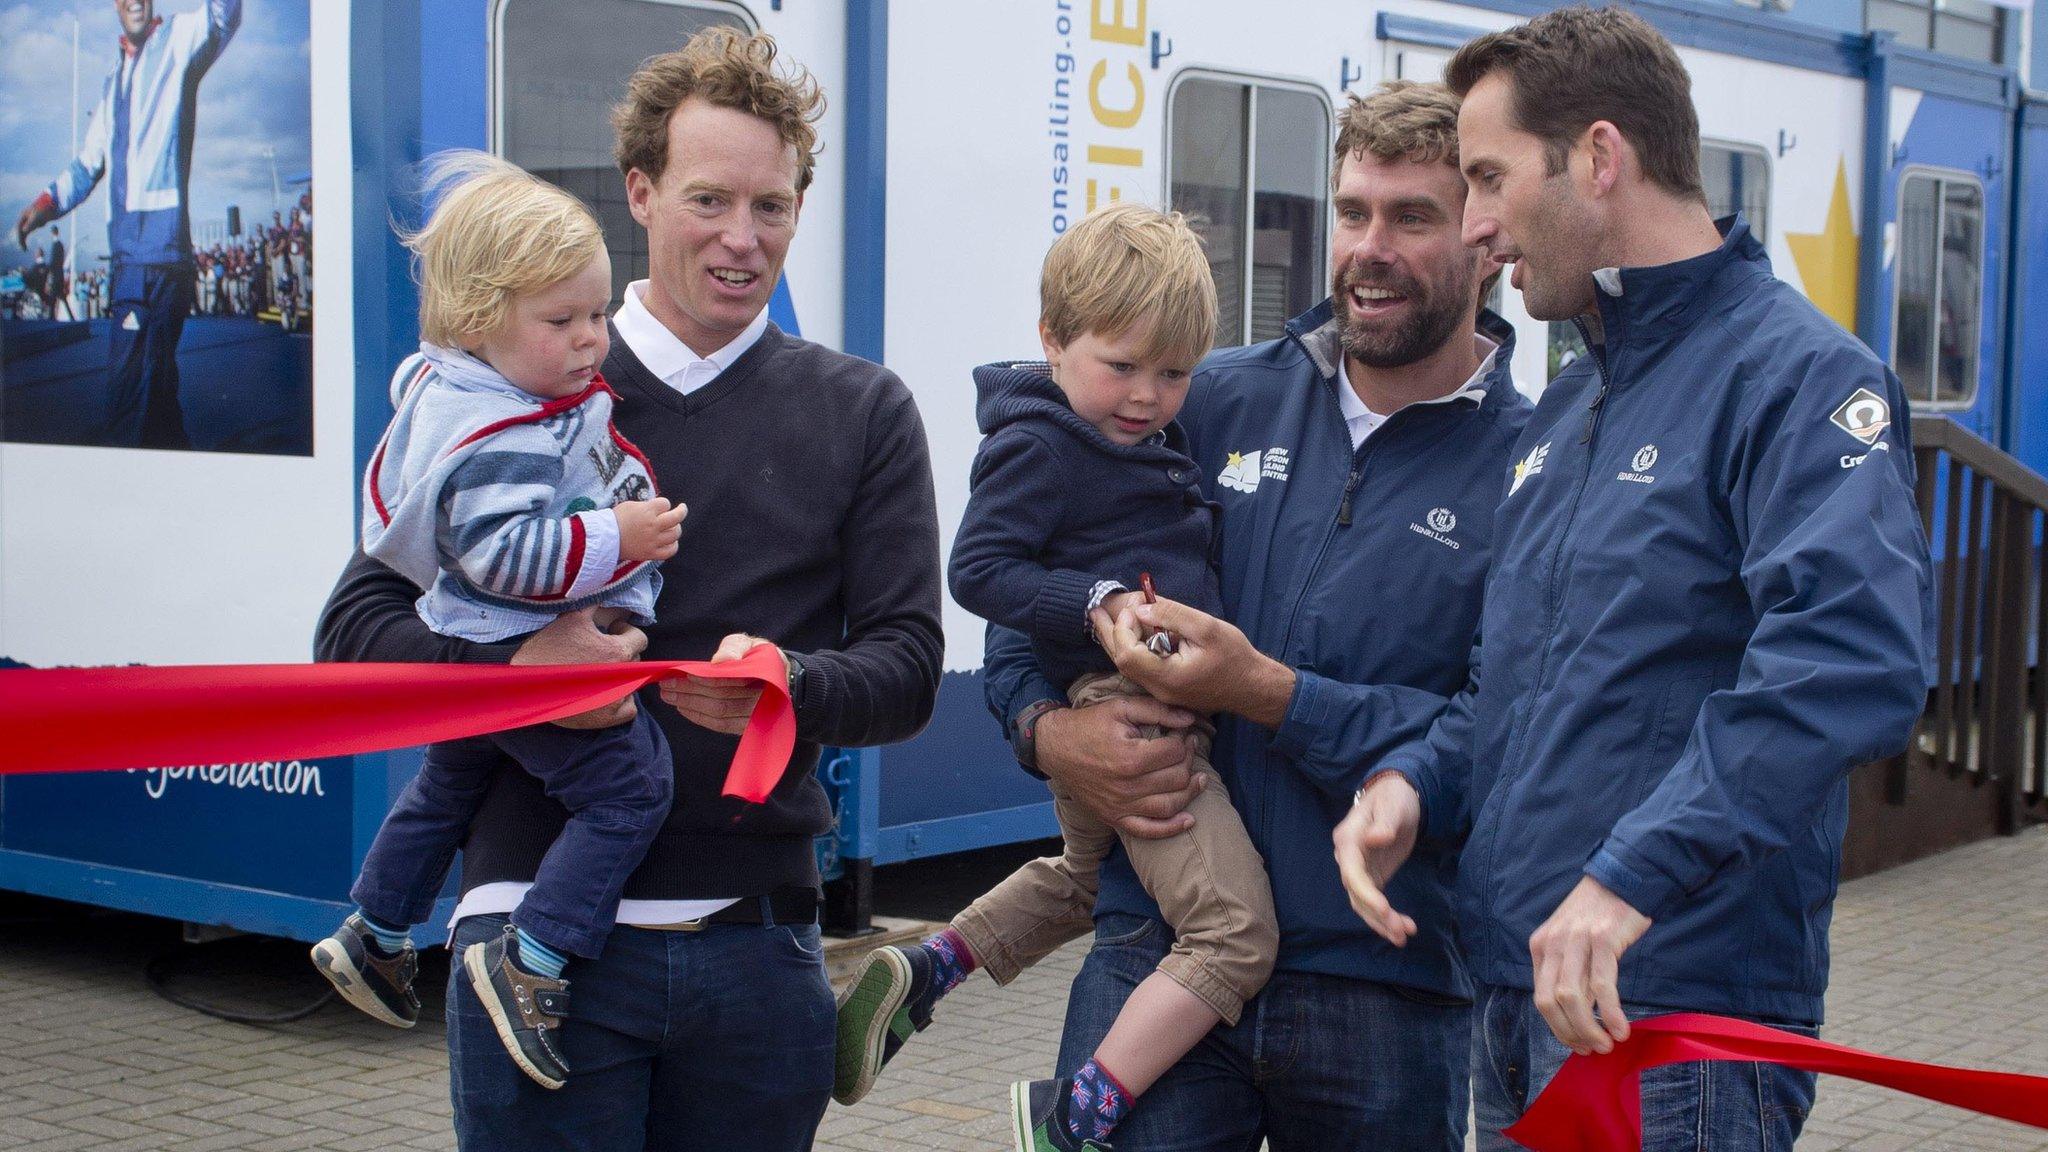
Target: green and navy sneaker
{"type": "Point", "coordinates": [1038, 1118]}
{"type": "Point", "coordinates": [890, 1000]}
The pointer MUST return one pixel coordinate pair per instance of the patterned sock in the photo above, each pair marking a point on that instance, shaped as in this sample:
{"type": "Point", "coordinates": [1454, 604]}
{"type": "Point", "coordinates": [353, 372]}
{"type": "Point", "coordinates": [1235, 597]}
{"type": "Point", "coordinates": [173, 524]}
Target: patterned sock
{"type": "Point", "coordinates": [389, 940]}
{"type": "Point", "coordinates": [538, 958]}
{"type": "Point", "coordinates": [1097, 1103]}
{"type": "Point", "coordinates": [952, 961]}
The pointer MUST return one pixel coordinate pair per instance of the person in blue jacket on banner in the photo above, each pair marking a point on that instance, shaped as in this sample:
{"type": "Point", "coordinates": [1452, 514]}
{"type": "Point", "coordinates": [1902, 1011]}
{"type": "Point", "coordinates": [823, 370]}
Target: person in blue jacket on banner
{"type": "Point", "coordinates": [1710, 600]}
{"type": "Point", "coordinates": [140, 141]}
{"type": "Point", "coordinates": [1356, 460]}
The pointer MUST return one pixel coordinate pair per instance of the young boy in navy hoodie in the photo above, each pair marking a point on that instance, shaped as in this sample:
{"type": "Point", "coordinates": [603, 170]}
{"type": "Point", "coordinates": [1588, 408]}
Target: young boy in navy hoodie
{"type": "Point", "coordinates": [1082, 488]}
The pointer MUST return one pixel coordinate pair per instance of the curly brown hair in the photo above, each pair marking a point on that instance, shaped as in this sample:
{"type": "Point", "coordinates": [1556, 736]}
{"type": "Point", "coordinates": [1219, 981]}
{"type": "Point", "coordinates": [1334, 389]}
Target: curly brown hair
{"type": "Point", "coordinates": [731, 69]}
{"type": "Point", "coordinates": [1400, 120]}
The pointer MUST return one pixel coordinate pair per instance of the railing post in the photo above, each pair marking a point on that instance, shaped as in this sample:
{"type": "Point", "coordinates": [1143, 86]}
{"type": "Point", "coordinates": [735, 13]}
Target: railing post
{"type": "Point", "coordinates": [2005, 717]}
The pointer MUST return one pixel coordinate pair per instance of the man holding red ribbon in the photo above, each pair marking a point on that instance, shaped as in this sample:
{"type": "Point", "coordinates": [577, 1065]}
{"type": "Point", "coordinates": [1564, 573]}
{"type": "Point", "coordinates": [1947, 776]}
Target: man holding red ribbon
{"type": "Point", "coordinates": [1710, 600]}
{"type": "Point", "coordinates": [709, 1022]}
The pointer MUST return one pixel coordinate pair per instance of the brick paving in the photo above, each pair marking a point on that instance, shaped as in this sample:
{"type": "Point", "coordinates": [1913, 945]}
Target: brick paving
{"type": "Point", "coordinates": [1943, 960]}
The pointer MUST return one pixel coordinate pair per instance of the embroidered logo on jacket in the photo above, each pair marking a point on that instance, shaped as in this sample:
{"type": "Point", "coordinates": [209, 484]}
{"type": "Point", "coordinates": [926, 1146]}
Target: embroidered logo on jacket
{"type": "Point", "coordinates": [1529, 466]}
{"type": "Point", "coordinates": [1644, 460]}
{"type": "Point", "coordinates": [1863, 415]}
{"type": "Point", "coordinates": [1441, 521]}
{"type": "Point", "coordinates": [1242, 471]}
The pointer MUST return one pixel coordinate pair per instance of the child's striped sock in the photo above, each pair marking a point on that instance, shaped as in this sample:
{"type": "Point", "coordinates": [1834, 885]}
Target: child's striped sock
{"type": "Point", "coordinates": [390, 941]}
{"type": "Point", "coordinates": [538, 958]}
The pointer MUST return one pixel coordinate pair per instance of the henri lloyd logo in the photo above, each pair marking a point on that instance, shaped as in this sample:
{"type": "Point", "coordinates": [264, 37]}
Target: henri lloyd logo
{"type": "Point", "coordinates": [1242, 471]}
{"type": "Point", "coordinates": [1644, 460]}
{"type": "Point", "coordinates": [1529, 466]}
{"type": "Point", "coordinates": [1441, 521]}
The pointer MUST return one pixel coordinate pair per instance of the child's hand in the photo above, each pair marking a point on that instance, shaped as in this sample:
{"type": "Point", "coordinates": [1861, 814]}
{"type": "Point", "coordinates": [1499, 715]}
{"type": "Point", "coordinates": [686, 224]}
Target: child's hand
{"type": "Point", "coordinates": [649, 529]}
{"type": "Point", "coordinates": [1116, 602]}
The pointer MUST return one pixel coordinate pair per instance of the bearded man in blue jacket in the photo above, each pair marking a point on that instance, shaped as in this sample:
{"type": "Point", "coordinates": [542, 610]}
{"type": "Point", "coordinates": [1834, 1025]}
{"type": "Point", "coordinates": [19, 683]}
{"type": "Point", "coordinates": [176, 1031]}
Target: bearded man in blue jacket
{"type": "Point", "coordinates": [1356, 461]}
{"type": "Point", "coordinates": [1710, 600]}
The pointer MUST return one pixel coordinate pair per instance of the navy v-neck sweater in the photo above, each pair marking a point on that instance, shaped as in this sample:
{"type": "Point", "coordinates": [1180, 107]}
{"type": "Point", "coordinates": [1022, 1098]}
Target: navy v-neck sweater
{"type": "Point", "coordinates": [812, 523]}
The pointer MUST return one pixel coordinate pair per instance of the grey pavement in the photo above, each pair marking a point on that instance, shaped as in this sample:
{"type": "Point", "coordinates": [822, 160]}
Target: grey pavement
{"type": "Point", "coordinates": [1944, 960]}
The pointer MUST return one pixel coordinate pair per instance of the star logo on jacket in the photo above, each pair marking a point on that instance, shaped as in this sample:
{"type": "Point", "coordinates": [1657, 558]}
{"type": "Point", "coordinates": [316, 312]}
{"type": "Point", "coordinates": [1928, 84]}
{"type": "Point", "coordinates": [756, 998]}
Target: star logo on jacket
{"type": "Point", "coordinates": [1242, 471]}
{"type": "Point", "coordinates": [1864, 415]}
{"type": "Point", "coordinates": [1529, 466]}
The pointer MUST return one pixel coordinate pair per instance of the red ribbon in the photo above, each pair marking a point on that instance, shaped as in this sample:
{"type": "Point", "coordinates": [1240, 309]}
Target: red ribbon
{"type": "Point", "coordinates": [1595, 1102]}
{"type": "Point", "coordinates": [79, 719]}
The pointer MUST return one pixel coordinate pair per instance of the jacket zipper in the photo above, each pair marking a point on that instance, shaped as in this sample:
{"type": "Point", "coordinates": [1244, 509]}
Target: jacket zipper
{"type": "Point", "coordinates": [1551, 593]}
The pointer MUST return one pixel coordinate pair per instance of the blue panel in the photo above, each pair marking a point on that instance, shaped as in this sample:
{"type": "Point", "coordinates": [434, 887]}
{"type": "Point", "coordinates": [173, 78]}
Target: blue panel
{"type": "Point", "coordinates": [782, 309]}
{"type": "Point", "coordinates": [1434, 33]}
{"type": "Point", "coordinates": [1871, 319]}
{"type": "Point", "coordinates": [1966, 137]}
{"type": "Point", "coordinates": [964, 833]}
{"type": "Point", "coordinates": [1953, 77]}
{"type": "Point", "coordinates": [958, 765]}
{"type": "Point", "coordinates": [2027, 426]}
{"type": "Point", "coordinates": [865, 275]}
{"type": "Point", "coordinates": [454, 61]}
{"type": "Point", "coordinates": [283, 828]}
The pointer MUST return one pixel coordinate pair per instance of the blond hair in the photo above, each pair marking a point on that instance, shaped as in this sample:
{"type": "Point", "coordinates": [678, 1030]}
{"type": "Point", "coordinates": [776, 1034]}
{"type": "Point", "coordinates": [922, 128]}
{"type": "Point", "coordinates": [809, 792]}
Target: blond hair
{"type": "Point", "coordinates": [1129, 265]}
{"type": "Point", "coordinates": [1400, 120]}
{"type": "Point", "coordinates": [729, 69]}
{"type": "Point", "coordinates": [495, 232]}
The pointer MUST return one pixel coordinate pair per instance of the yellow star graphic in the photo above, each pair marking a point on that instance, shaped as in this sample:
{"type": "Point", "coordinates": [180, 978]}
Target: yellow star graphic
{"type": "Point", "coordinates": [1521, 470]}
{"type": "Point", "coordinates": [1827, 259]}
{"type": "Point", "coordinates": [1236, 458]}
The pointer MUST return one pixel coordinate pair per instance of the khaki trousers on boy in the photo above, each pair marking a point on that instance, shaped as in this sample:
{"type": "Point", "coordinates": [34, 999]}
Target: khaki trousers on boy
{"type": "Point", "coordinates": [1209, 882]}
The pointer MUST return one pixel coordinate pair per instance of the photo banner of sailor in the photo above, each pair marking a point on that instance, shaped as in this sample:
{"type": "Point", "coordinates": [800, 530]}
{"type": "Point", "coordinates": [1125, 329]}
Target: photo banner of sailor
{"type": "Point", "coordinates": [156, 277]}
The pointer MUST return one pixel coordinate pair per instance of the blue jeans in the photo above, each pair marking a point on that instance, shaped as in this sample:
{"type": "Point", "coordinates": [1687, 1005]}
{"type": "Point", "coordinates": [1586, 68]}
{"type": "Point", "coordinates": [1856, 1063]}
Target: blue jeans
{"type": "Point", "coordinates": [616, 783]}
{"type": "Point", "coordinates": [1315, 1063]}
{"type": "Point", "coordinates": [1726, 1106]}
{"type": "Point", "coordinates": [678, 1041]}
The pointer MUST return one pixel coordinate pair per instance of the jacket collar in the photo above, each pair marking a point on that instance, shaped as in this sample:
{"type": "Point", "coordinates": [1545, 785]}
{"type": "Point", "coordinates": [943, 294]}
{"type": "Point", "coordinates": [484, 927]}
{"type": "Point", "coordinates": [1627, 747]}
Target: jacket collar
{"type": "Point", "coordinates": [1662, 301]}
{"type": "Point", "coordinates": [1010, 391]}
{"type": "Point", "coordinates": [1316, 331]}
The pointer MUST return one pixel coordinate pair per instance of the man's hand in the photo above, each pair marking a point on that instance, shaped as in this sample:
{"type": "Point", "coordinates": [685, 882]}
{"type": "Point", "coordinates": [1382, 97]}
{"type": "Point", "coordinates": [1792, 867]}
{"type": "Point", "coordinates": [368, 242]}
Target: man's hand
{"type": "Point", "coordinates": [1213, 668]}
{"type": "Point", "coordinates": [39, 212]}
{"type": "Point", "coordinates": [1138, 783]}
{"type": "Point", "coordinates": [719, 703]}
{"type": "Point", "coordinates": [1577, 954]}
{"type": "Point", "coordinates": [649, 529]}
{"type": "Point", "coordinates": [1373, 841]}
{"type": "Point", "coordinates": [574, 638]}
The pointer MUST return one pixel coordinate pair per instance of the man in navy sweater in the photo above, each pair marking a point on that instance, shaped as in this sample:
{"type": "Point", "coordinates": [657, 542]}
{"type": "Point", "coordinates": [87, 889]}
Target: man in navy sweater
{"type": "Point", "coordinates": [707, 1020]}
{"type": "Point", "coordinates": [1710, 600]}
{"type": "Point", "coordinates": [1357, 461]}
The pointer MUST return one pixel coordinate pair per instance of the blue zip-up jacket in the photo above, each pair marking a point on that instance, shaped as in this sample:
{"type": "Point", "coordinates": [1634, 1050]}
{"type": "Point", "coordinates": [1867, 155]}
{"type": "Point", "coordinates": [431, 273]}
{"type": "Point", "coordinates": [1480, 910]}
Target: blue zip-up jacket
{"type": "Point", "coordinates": [1054, 507]}
{"type": "Point", "coordinates": [1710, 600]}
{"type": "Point", "coordinates": [1362, 571]}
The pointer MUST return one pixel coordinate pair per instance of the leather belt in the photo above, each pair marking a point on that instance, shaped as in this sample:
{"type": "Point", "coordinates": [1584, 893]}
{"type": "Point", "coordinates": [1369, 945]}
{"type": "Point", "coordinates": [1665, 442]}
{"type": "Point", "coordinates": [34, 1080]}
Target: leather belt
{"type": "Point", "coordinates": [782, 906]}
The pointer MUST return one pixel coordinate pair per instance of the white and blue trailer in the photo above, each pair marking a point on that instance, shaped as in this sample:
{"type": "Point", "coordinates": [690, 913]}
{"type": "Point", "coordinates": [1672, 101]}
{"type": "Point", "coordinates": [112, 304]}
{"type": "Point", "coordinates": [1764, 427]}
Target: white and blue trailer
{"type": "Point", "coordinates": [1900, 187]}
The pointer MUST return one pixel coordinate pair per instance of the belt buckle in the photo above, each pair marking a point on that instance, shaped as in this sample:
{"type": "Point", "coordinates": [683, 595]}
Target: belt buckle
{"type": "Point", "coordinates": [696, 925]}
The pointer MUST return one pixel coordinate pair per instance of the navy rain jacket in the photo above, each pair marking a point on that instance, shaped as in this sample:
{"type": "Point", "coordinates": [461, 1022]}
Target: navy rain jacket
{"type": "Point", "coordinates": [1361, 570]}
{"type": "Point", "coordinates": [1710, 600]}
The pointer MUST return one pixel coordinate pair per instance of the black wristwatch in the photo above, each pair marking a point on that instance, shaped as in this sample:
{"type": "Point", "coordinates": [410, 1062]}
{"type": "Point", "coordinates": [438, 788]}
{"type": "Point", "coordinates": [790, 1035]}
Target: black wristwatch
{"type": "Point", "coordinates": [1024, 732]}
{"type": "Point", "coordinates": [796, 677]}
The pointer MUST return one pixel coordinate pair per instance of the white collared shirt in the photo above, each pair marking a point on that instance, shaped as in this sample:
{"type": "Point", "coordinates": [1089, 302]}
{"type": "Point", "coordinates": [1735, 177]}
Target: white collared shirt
{"type": "Point", "coordinates": [1363, 422]}
{"type": "Point", "coordinates": [673, 362]}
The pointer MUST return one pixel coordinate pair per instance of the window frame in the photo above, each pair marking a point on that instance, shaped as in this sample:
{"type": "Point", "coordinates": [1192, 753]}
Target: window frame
{"type": "Point", "coordinates": [1941, 176]}
{"type": "Point", "coordinates": [1934, 9]}
{"type": "Point", "coordinates": [1254, 81]}
{"type": "Point", "coordinates": [495, 82]}
{"type": "Point", "coordinates": [1743, 147]}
